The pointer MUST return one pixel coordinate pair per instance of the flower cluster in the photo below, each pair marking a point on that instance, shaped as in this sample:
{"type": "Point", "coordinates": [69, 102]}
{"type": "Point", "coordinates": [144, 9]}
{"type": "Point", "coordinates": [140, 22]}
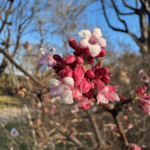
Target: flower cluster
{"type": "Point", "coordinates": [144, 98]}
{"type": "Point", "coordinates": [143, 76]}
{"type": "Point", "coordinates": [79, 81]}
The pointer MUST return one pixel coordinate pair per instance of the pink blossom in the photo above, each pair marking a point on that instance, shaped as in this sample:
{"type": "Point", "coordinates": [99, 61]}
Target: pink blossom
{"type": "Point", "coordinates": [92, 40]}
{"type": "Point", "coordinates": [53, 109]}
{"type": "Point", "coordinates": [62, 89]}
{"type": "Point", "coordinates": [75, 109]}
{"type": "Point", "coordinates": [135, 147]}
{"type": "Point", "coordinates": [126, 117]}
{"type": "Point", "coordinates": [46, 59]}
{"type": "Point", "coordinates": [107, 94]}
{"type": "Point", "coordinates": [14, 132]}
{"type": "Point", "coordinates": [122, 98]}
{"type": "Point", "coordinates": [115, 129]}
{"type": "Point", "coordinates": [79, 60]}
{"type": "Point", "coordinates": [84, 103]}
{"type": "Point", "coordinates": [128, 107]}
{"type": "Point", "coordinates": [69, 59]}
{"type": "Point", "coordinates": [66, 72]}
{"type": "Point", "coordinates": [129, 126]}
{"type": "Point", "coordinates": [78, 73]}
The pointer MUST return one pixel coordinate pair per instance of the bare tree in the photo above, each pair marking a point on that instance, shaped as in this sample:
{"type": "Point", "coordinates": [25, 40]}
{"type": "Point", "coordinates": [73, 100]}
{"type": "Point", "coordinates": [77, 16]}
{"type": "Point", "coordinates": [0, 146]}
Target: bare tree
{"type": "Point", "coordinates": [142, 10]}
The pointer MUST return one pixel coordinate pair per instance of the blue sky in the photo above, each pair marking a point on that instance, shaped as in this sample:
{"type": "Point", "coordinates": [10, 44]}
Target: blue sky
{"type": "Point", "coordinates": [95, 18]}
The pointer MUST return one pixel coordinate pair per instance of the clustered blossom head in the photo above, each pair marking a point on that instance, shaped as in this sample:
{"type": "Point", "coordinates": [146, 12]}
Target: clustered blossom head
{"type": "Point", "coordinates": [78, 82]}
{"type": "Point", "coordinates": [143, 76]}
{"type": "Point", "coordinates": [144, 98]}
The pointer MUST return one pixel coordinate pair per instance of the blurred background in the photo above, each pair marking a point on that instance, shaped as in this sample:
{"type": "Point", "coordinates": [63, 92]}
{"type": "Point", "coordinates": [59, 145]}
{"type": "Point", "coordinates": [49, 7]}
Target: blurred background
{"type": "Point", "coordinates": [26, 26]}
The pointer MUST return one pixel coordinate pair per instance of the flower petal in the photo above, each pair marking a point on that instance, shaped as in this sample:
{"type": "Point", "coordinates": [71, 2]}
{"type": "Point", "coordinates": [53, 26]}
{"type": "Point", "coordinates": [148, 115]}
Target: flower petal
{"type": "Point", "coordinates": [111, 96]}
{"type": "Point", "coordinates": [40, 62]}
{"type": "Point", "coordinates": [101, 42]}
{"type": "Point", "coordinates": [101, 98]}
{"type": "Point", "coordinates": [85, 34]}
{"type": "Point", "coordinates": [112, 88]}
{"type": "Point", "coordinates": [83, 43]}
{"type": "Point", "coordinates": [51, 62]}
{"type": "Point", "coordinates": [94, 50]}
{"type": "Point", "coordinates": [96, 33]}
{"type": "Point", "coordinates": [100, 85]}
{"type": "Point", "coordinates": [68, 81]}
{"type": "Point", "coordinates": [67, 97]}
{"type": "Point", "coordinates": [51, 52]}
{"type": "Point", "coordinates": [54, 82]}
{"type": "Point", "coordinates": [76, 93]}
{"type": "Point", "coordinates": [43, 68]}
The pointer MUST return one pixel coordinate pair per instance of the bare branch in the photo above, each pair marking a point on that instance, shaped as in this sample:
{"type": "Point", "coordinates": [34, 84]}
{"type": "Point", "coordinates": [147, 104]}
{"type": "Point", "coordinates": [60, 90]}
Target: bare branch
{"type": "Point", "coordinates": [19, 67]}
{"type": "Point", "coordinates": [7, 14]}
{"type": "Point", "coordinates": [128, 6]}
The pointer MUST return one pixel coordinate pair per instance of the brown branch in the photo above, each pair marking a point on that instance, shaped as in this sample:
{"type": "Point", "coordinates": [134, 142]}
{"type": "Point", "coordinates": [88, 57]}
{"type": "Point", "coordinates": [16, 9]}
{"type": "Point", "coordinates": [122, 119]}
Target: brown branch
{"type": "Point", "coordinates": [20, 68]}
{"type": "Point", "coordinates": [8, 12]}
{"type": "Point", "coordinates": [101, 142]}
{"type": "Point", "coordinates": [73, 140]}
{"type": "Point", "coordinates": [114, 110]}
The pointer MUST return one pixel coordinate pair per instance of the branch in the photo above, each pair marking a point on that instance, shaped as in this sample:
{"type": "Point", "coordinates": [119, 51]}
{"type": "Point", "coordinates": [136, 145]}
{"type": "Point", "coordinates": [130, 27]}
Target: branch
{"type": "Point", "coordinates": [147, 9]}
{"type": "Point", "coordinates": [118, 13]}
{"type": "Point", "coordinates": [73, 140]}
{"type": "Point", "coordinates": [19, 67]}
{"type": "Point", "coordinates": [8, 12]}
{"type": "Point", "coordinates": [104, 11]}
{"type": "Point", "coordinates": [128, 6]}
{"type": "Point", "coordinates": [101, 142]}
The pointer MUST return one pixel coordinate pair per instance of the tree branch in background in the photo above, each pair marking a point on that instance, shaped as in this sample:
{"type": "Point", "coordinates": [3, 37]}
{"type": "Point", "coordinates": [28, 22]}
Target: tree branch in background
{"type": "Point", "coordinates": [101, 142]}
{"type": "Point", "coordinates": [6, 17]}
{"type": "Point", "coordinates": [20, 68]}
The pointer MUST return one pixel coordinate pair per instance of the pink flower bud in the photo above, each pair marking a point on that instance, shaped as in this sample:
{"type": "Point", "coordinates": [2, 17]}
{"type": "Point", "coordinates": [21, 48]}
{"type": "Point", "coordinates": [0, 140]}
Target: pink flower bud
{"type": "Point", "coordinates": [79, 60]}
{"type": "Point", "coordinates": [90, 74]}
{"type": "Point", "coordinates": [105, 79]}
{"type": "Point", "coordinates": [128, 107]}
{"type": "Point", "coordinates": [66, 72]}
{"type": "Point", "coordinates": [76, 93]}
{"type": "Point", "coordinates": [45, 110]}
{"type": "Point", "coordinates": [104, 71]}
{"type": "Point", "coordinates": [126, 118]}
{"type": "Point", "coordinates": [73, 44]}
{"type": "Point", "coordinates": [93, 85]}
{"type": "Point", "coordinates": [89, 94]}
{"type": "Point", "coordinates": [122, 98]}
{"type": "Point", "coordinates": [69, 59]}
{"type": "Point", "coordinates": [57, 57]}
{"type": "Point", "coordinates": [78, 73]}
{"type": "Point", "coordinates": [90, 60]}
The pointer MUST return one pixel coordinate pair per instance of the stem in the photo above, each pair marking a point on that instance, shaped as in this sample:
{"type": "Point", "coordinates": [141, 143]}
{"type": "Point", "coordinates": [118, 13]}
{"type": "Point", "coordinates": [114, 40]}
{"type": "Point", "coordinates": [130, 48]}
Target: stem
{"type": "Point", "coordinates": [100, 140]}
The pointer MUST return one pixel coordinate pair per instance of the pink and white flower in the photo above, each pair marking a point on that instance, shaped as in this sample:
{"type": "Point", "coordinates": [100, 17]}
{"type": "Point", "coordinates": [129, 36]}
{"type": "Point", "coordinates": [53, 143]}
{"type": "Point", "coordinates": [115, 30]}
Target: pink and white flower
{"type": "Point", "coordinates": [107, 94]}
{"type": "Point", "coordinates": [14, 132]}
{"type": "Point", "coordinates": [75, 109]}
{"type": "Point", "coordinates": [62, 89]}
{"type": "Point", "coordinates": [46, 59]}
{"type": "Point", "coordinates": [92, 40]}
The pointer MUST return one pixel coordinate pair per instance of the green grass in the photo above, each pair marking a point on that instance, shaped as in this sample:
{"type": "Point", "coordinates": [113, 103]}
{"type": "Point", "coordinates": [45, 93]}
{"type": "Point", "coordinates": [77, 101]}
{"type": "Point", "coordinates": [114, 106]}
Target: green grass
{"type": "Point", "coordinates": [8, 101]}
